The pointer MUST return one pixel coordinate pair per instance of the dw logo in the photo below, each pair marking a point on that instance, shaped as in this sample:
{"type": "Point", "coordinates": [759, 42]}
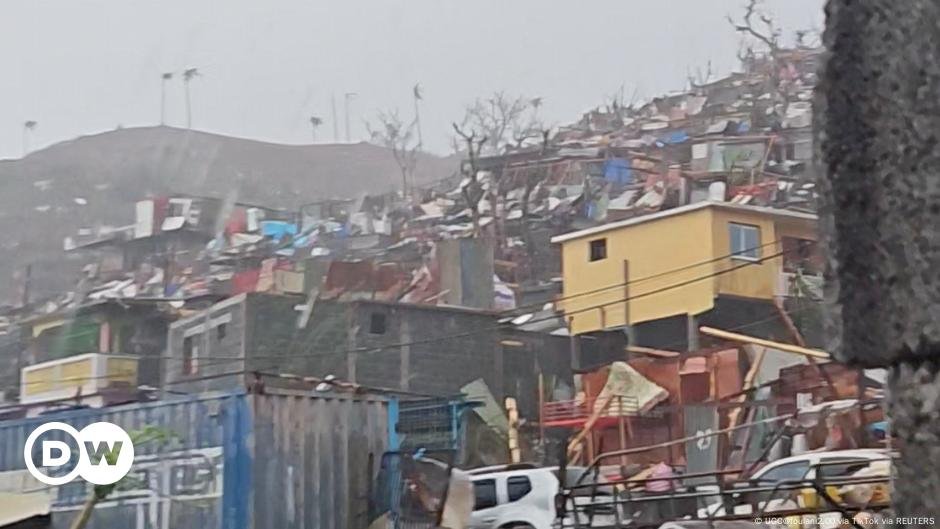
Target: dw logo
{"type": "Point", "coordinates": [106, 453]}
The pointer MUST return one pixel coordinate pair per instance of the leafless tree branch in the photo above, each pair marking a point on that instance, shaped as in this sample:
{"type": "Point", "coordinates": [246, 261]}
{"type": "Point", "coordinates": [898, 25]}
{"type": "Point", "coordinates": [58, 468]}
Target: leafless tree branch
{"type": "Point", "coordinates": [506, 121]}
{"type": "Point", "coordinates": [400, 138]}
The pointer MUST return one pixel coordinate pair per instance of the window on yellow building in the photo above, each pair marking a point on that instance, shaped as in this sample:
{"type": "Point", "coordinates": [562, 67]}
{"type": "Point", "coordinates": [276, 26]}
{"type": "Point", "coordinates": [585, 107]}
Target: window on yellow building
{"type": "Point", "coordinates": [598, 249]}
{"type": "Point", "coordinates": [745, 241]}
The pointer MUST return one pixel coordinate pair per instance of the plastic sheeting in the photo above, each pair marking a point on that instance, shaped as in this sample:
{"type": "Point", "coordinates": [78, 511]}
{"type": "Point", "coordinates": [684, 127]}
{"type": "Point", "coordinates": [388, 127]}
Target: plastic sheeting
{"type": "Point", "coordinates": [640, 394]}
{"type": "Point", "coordinates": [277, 229]}
{"type": "Point", "coordinates": [617, 170]}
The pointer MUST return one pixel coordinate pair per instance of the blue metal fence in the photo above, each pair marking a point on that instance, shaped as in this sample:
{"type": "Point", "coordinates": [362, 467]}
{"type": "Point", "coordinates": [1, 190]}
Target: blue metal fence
{"type": "Point", "coordinates": [426, 437]}
{"type": "Point", "coordinates": [430, 424]}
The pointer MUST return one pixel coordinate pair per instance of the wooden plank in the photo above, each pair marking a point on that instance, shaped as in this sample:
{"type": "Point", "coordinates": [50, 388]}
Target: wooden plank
{"type": "Point", "coordinates": [592, 420]}
{"type": "Point", "coordinates": [798, 338]}
{"type": "Point", "coordinates": [743, 338]}
{"type": "Point", "coordinates": [541, 391]}
{"type": "Point", "coordinates": [622, 429]}
{"type": "Point", "coordinates": [748, 382]}
{"type": "Point", "coordinates": [661, 353]}
{"type": "Point", "coordinates": [512, 412]}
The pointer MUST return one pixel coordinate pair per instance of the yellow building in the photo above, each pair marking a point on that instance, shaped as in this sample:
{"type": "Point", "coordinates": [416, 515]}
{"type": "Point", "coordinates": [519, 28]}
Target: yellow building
{"type": "Point", "coordinates": [678, 262]}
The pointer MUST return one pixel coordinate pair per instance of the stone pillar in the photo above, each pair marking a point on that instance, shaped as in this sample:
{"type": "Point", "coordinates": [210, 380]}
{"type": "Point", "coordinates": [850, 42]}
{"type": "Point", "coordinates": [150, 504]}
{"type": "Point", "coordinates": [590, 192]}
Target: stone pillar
{"type": "Point", "coordinates": [878, 127]}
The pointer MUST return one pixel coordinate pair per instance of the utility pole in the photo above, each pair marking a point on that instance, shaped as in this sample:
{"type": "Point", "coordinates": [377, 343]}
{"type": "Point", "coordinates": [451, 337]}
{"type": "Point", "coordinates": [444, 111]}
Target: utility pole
{"type": "Point", "coordinates": [346, 97]}
{"type": "Point", "coordinates": [28, 128]}
{"type": "Point", "coordinates": [335, 120]}
{"type": "Point", "coordinates": [879, 210]}
{"type": "Point", "coordinates": [163, 80]}
{"type": "Point", "coordinates": [188, 75]}
{"type": "Point", "coordinates": [418, 97]}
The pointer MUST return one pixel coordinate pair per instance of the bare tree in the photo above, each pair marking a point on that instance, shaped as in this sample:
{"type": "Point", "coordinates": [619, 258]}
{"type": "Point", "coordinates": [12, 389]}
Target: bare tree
{"type": "Point", "coordinates": [764, 30]}
{"type": "Point", "coordinates": [472, 190]}
{"type": "Point", "coordinates": [315, 122]}
{"type": "Point", "coordinates": [700, 78]}
{"type": "Point", "coordinates": [533, 178]}
{"type": "Point", "coordinates": [503, 120]}
{"type": "Point", "coordinates": [188, 75]}
{"type": "Point", "coordinates": [400, 138]}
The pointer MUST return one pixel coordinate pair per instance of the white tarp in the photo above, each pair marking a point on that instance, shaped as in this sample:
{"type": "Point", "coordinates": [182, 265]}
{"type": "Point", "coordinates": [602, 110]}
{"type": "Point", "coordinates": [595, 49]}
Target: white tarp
{"type": "Point", "coordinates": [639, 394]}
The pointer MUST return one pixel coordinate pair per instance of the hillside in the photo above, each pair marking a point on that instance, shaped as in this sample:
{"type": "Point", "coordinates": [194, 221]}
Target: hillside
{"type": "Point", "coordinates": [95, 180]}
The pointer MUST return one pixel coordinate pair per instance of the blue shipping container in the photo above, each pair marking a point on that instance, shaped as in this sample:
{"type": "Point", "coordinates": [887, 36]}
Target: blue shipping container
{"type": "Point", "coordinates": [284, 459]}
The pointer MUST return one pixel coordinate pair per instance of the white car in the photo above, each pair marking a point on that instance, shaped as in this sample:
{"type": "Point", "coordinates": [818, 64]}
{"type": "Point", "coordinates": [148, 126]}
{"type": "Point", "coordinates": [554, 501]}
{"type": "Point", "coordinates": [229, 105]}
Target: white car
{"type": "Point", "coordinates": [837, 463]}
{"type": "Point", "coordinates": [521, 496]}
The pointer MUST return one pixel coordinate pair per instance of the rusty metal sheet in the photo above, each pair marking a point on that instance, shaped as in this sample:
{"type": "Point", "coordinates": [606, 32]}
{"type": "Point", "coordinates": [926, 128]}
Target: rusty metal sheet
{"type": "Point", "coordinates": [727, 373]}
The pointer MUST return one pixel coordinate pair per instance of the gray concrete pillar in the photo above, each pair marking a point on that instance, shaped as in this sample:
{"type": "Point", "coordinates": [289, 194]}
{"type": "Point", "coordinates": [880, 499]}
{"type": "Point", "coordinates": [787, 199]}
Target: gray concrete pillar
{"type": "Point", "coordinates": [878, 126]}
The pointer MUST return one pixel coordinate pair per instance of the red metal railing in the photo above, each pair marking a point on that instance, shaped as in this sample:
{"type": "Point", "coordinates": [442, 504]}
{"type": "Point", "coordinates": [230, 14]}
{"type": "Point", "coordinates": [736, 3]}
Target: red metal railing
{"type": "Point", "coordinates": [574, 411]}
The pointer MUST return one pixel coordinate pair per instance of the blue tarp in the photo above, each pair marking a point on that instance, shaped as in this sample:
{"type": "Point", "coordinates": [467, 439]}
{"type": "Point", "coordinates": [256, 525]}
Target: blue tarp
{"type": "Point", "coordinates": [277, 229]}
{"type": "Point", "coordinates": [617, 170]}
{"type": "Point", "coordinates": [675, 137]}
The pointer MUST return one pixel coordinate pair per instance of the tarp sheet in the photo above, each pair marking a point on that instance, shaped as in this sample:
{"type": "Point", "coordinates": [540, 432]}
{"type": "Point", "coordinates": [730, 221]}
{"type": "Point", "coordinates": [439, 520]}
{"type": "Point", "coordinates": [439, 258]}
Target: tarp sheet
{"type": "Point", "coordinates": [640, 394]}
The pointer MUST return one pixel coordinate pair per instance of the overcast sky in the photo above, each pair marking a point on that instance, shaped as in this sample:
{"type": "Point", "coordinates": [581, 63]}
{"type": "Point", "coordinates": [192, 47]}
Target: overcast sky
{"type": "Point", "coordinates": [80, 67]}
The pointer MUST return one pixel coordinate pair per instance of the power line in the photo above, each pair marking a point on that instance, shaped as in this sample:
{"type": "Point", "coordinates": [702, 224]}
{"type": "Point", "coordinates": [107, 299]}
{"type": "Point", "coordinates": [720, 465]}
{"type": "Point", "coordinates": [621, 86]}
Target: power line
{"type": "Point", "coordinates": [217, 360]}
{"type": "Point", "coordinates": [287, 375]}
{"type": "Point", "coordinates": [537, 320]}
{"type": "Point", "coordinates": [653, 276]}
{"type": "Point", "coordinates": [487, 329]}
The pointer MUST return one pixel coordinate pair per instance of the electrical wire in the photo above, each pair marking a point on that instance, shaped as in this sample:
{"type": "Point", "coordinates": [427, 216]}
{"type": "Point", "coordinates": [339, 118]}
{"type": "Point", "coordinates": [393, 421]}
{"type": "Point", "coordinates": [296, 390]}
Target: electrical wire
{"type": "Point", "coordinates": [646, 278]}
{"type": "Point", "coordinates": [489, 329]}
{"type": "Point", "coordinates": [217, 360]}
{"type": "Point", "coordinates": [264, 373]}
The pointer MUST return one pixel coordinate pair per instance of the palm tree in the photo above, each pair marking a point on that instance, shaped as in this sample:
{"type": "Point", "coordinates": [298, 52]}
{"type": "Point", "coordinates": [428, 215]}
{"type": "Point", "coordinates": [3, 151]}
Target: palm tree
{"type": "Point", "coordinates": [164, 78]}
{"type": "Point", "coordinates": [188, 75]}
{"type": "Point", "coordinates": [315, 121]}
{"type": "Point", "coordinates": [28, 127]}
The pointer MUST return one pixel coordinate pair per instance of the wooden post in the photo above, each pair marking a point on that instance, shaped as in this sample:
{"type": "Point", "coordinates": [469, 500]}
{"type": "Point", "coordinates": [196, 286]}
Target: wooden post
{"type": "Point", "coordinates": [631, 337]}
{"type": "Point", "coordinates": [623, 429]}
{"type": "Point", "coordinates": [691, 329]}
{"type": "Point", "coordinates": [515, 455]}
{"type": "Point", "coordinates": [734, 414]}
{"type": "Point", "coordinates": [352, 328]}
{"type": "Point", "coordinates": [798, 338]}
{"type": "Point", "coordinates": [573, 344]}
{"type": "Point", "coordinates": [589, 424]}
{"type": "Point", "coordinates": [541, 407]}
{"type": "Point", "coordinates": [404, 371]}
{"type": "Point", "coordinates": [590, 445]}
